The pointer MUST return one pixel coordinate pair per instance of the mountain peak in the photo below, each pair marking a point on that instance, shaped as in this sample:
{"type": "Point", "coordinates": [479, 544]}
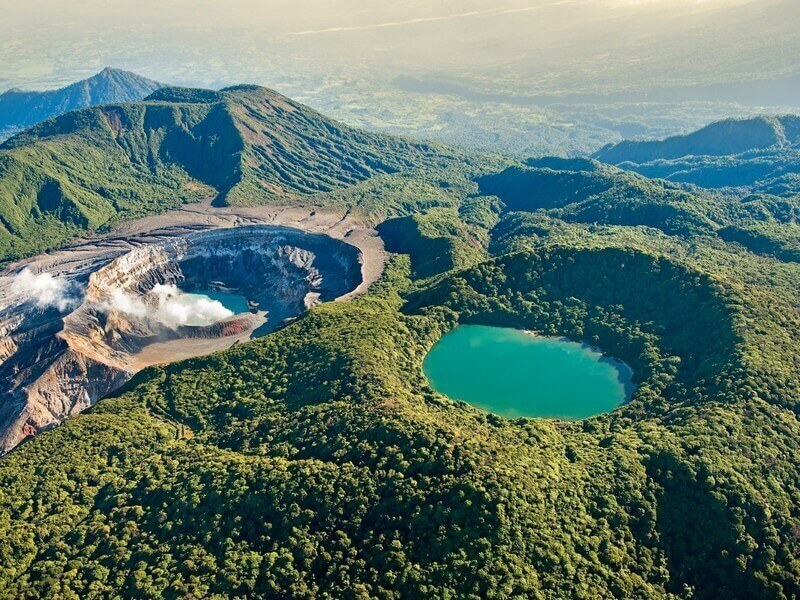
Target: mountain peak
{"type": "Point", "coordinates": [113, 71]}
{"type": "Point", "coordinates": [21, 109]}
{"type": "Point", "coordinates": [248, 143]}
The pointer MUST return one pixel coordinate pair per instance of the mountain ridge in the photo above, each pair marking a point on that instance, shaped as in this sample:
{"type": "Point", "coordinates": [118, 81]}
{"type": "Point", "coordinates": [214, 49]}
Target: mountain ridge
{"type": "Point", "coordinates": [758, 155]}
{"type": "Point", "coordinates": [20, 109]}
{"type": "Point", "coordinates": [243, 145]}
{"type": "Point", "coordinates": [720, 138]}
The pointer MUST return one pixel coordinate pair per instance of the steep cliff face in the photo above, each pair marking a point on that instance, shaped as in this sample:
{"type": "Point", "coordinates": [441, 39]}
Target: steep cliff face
{"type": "Point", "coordinates": [58, 360]}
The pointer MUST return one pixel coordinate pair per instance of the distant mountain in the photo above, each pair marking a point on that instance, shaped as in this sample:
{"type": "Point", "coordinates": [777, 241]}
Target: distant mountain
{"type": "Point", "coordinates": [581, 191]}
{"type": "Point", "coordinates": [760, 154]}
{"type": "Point", "coordinates": [20, 109]}
{"type": "Point", "coordinates": [241, 145]}
{"type": "Point", "coordinates": [730, 136]}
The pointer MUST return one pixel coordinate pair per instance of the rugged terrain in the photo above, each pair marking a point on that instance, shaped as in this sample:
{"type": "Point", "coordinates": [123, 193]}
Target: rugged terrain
{"type": "Point", "coordinates": [246, 145]}
{"type": "Point", "coordinates": [317, 462]}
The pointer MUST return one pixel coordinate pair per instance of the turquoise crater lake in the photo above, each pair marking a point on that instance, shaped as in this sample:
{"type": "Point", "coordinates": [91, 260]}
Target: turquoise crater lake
{"type": "Point", "coordinates": [513, 373]}
{"type": "Point", "coordinates": [233, 302]}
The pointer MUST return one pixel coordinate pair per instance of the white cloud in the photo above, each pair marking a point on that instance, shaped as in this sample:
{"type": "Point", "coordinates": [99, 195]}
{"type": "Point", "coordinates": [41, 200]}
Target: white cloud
{"type": "Point", "coordinates": [164, 304]}
{"type": "Point", "coordinates": [46, 290]}
{"type": "Point", "coordinates": [433, 19]}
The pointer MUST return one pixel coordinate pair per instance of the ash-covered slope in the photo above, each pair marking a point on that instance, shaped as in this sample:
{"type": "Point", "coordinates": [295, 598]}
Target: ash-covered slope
{"type": "Point", "coordinates": [243, 145]}
{"type": "Point", "coordinates": [20, 108]}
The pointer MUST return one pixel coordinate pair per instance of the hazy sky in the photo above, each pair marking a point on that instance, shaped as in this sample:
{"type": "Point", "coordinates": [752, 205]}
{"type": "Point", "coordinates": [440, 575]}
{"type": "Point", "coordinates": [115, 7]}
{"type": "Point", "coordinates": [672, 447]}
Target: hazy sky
{"type": "Point", "coordinates": [534, 44]}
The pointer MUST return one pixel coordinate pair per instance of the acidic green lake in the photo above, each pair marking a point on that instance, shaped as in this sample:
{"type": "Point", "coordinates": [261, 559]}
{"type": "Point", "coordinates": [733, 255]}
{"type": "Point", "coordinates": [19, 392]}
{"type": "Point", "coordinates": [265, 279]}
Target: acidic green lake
{"type": "Point", "coordinates": [514, 374]}
{"type": "Point", "coordinates": [233, 302]}
{"type": "Point", "coordinates": [206, 307]}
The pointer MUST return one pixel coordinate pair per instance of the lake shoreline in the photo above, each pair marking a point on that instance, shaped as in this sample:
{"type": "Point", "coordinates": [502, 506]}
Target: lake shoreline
{"type": "Point", "coordinates": [519, 373]}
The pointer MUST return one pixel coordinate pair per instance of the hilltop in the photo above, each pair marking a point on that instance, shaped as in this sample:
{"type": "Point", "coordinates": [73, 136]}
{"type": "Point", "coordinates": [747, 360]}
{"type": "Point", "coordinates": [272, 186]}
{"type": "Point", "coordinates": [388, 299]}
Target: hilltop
{"type": "Point", "coordinates": [20, 109]}
{"type": "Point", "coordinates": [243, 145]}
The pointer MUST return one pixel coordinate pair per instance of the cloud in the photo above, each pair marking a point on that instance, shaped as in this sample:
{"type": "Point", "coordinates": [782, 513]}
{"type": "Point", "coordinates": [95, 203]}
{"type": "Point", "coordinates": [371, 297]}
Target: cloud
{"type": "Point", "coordinates": [164, 304]}
{"type": "Point", "coordinates": [433, 19]}
{"type": "Point", "coordinates": [46, 290]}
{"type": "Point", "coordinates": [168, 306]}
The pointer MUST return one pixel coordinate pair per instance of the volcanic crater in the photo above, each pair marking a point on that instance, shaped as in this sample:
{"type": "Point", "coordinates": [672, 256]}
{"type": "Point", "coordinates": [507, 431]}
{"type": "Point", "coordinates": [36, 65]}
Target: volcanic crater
{"type": "Point", "coordinates": [124, 311]}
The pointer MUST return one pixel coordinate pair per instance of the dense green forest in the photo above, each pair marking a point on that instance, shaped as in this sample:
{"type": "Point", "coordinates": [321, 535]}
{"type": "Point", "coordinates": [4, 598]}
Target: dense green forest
{"type": "Point", "coordinates": [317, 462]}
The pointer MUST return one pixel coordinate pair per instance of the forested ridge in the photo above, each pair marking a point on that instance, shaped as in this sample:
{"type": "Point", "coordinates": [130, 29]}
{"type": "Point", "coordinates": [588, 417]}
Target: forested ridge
{"type": "Point", "coordinates": [90, 169]}
{"type": "Point", "coordinates": [753, 155]}
{"type": "Point", "coordinates": [317, 462]}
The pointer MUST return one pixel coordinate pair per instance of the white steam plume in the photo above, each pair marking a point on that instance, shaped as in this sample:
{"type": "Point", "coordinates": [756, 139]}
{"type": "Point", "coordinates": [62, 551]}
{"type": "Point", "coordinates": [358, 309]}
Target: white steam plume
{"type": "Point", "coordinates": [168, 306]}
{"type": "Point", "coordinates": [46, 290]}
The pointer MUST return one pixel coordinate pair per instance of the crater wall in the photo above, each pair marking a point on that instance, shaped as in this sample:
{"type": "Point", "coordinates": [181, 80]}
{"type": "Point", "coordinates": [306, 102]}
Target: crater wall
{"type": "Point", "coordinates": [57, 361]}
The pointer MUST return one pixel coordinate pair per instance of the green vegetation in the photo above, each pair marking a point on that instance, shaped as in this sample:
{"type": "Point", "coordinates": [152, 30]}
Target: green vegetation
{"type": "Point", "coordinates": [759, 154]}
{"type": "Point", "coordinates": [317, 462]}
{"type": "Point", "coordinates": [781, 240]}
{"type": "Point", "coordinates": [92, 168]}
{"type": "Point", "coordinates": [437, 240]}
